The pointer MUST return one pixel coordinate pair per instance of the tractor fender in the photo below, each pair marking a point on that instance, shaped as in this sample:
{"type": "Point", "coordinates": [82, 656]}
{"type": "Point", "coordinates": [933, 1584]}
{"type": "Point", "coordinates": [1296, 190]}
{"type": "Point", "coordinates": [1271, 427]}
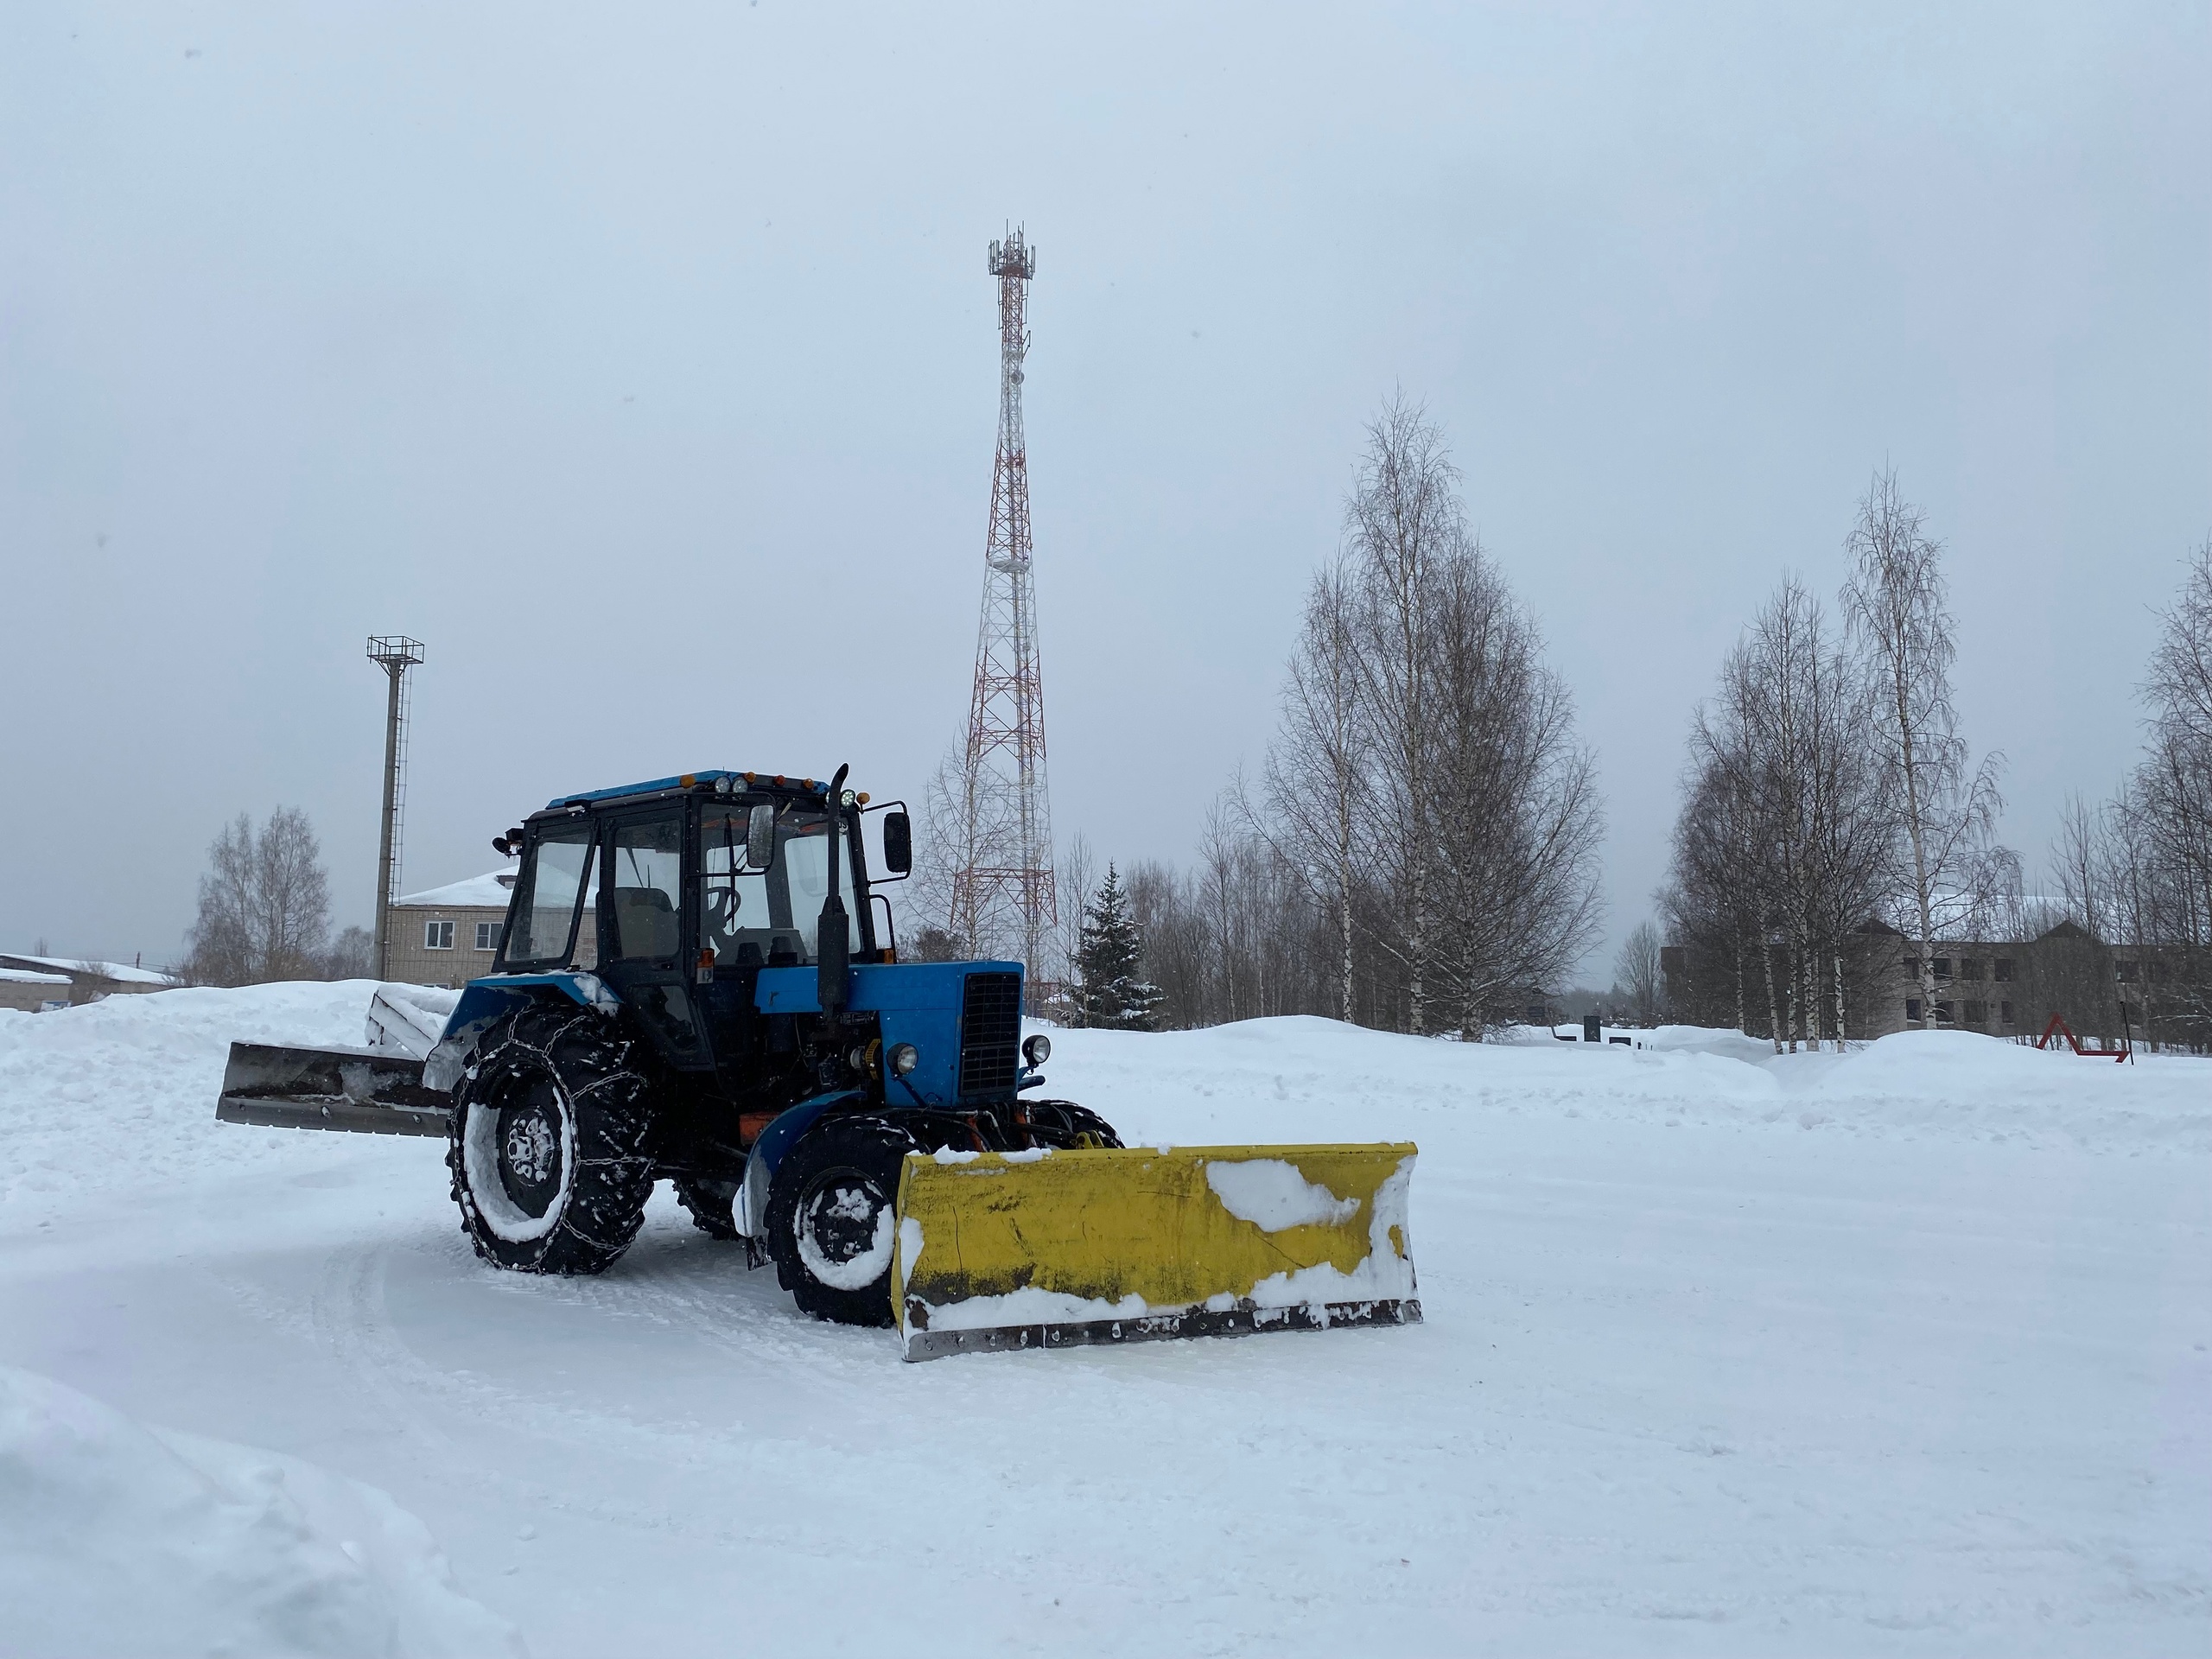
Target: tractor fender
{"type": "Point", "coordinates": [783, 1132]}
{"type": "Point", "coordinates": [485, 1000]}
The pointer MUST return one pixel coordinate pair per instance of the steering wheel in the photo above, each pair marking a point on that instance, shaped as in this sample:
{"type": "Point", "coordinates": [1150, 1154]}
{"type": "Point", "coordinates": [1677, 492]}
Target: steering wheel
{"type": "Point", "coordinates": [722, 907]}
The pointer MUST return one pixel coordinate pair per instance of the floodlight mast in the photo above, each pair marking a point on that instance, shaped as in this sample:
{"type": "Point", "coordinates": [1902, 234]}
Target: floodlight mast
{"type": "Point", "coordinates": [395, 654]}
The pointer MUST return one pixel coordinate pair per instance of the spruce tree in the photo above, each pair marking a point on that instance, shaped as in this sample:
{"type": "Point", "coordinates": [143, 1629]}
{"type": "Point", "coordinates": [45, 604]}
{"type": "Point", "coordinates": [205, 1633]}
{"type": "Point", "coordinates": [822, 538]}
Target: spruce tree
{"type": "Point", "coordinates": [1114, 993]}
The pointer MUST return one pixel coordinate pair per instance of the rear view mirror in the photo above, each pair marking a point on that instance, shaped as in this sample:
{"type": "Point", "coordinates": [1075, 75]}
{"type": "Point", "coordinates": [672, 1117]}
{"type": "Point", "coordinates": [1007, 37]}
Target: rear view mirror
{"type": "Point", "coordinates": [760, 836]}
{"type": "Point", "coordinates": [898, 844]}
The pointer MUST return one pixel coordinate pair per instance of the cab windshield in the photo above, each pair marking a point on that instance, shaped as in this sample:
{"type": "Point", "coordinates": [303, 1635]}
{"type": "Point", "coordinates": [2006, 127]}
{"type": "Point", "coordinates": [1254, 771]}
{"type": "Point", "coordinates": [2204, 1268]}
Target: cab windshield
{"type": "Point", "coordinates": [770, 918]}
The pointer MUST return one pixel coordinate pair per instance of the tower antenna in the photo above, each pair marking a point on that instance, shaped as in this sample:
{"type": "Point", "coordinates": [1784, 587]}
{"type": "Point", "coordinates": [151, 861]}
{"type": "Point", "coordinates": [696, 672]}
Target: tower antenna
{"type": "Point", "coordinates": [395, 653]}
{"type": "Point", "coordinates": [1002, 891]}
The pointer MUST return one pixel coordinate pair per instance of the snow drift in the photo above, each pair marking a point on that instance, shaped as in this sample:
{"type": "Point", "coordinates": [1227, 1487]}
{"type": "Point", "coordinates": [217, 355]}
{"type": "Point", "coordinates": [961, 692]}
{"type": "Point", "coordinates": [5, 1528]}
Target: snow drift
{"type": "Point", "coordinates": [1902, 1350]}
{"type": "Point", "coordinates": [119, 1539]}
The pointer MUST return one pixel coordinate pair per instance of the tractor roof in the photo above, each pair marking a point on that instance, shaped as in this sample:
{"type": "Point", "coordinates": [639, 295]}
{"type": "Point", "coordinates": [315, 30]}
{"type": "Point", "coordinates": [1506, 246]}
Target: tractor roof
{"type": "Point", "coordinates": [691, 779]}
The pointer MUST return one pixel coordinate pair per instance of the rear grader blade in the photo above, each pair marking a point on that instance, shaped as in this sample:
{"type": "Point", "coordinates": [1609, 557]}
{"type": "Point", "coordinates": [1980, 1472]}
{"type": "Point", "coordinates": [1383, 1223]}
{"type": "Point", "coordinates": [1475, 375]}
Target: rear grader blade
{"type": "Point", "coordinates": [1062, 1249]}
{"type": "Point", "coordinates": [372, 1090]}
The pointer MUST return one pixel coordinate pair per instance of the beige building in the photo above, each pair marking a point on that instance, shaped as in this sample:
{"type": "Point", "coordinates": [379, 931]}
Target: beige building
{"type": "Point", "coordinates": [87, 982]}
{"type": "Point", "coordinates": [449, 935]}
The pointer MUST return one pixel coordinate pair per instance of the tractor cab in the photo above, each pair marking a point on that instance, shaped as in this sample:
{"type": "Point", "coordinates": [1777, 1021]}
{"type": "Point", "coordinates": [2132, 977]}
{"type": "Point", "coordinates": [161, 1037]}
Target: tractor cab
{"type": "Point", "coordinates": [723, 870]}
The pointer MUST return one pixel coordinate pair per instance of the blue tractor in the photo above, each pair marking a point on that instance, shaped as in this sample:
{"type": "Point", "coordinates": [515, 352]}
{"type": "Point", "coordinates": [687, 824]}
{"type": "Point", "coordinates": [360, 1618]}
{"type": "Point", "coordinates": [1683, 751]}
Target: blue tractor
{"type": "Point", "coordinates": [682, 992]}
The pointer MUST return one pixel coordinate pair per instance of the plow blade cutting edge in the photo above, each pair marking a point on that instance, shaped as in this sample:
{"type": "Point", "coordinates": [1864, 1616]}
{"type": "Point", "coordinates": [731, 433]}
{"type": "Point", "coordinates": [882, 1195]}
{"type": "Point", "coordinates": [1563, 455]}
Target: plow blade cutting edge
{"type": "Point", "coordinates": [1056, 1250]}
{"type": "Point", "coordinates": [366, 1091]}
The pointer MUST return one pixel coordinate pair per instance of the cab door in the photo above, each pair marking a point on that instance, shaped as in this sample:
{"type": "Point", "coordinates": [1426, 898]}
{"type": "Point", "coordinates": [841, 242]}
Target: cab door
{"type": "Point", "coordinates": [646, 931]}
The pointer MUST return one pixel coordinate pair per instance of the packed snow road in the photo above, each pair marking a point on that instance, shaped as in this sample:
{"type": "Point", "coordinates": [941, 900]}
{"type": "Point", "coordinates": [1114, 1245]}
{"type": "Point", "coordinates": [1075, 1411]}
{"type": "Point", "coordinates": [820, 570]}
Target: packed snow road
{"type": "Point", "coordinates": [1898, 1352]}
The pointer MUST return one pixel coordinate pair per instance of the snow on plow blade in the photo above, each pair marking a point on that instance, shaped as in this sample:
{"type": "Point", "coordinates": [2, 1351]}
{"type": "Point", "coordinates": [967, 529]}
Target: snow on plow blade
{"type": "Point", "coordinates": [366, 1091]}
{"type": "Point", "coordinates": [1062, 1248]}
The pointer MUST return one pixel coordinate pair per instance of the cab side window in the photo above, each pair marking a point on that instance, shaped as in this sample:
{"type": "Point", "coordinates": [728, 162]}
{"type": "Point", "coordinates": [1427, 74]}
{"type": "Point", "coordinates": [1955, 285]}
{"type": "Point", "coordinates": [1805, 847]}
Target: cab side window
{"type": "Point", "coordinates": [734, 905]}
{"type": "Point", "coordinates": [644, 889]}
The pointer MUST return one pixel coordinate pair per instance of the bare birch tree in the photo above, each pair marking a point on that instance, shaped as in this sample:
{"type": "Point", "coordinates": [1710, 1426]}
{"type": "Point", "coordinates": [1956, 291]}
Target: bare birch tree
{"type": "Point", "coordinates": [1635, 972]}
{"type": "Point", "coordinates": [2077, 859]}
{"type": "Point", "coordinates": [1403, 520]}
{"type": "Point", "coordinates": [2179, 684]}
{"type": "Point", "coordinates": [2172, 792]}
{"type": "Point", "coordinates": [1515, 823]}
{"type": "Point", "coordinates": [1424, 848]}
{"type": "Point", "coordinates": [948, 821]}
{"type": "Point", "coordinates": [1897, 603]}
{"type": "Point", "coordinates": [1316, 770]}
{"type": "Point", "coordinates": [1710, 900]}
{"type": "Point", "coordinates": [264, 904]}
{"type": "Point", "coordinates": [1076, 878]}
{"type": "Point", "coordinates": [1782, 850]}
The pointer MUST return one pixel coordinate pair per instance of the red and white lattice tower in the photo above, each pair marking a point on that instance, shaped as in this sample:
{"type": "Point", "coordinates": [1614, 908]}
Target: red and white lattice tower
{"type": "Point", "coordinates": [1003, 897]}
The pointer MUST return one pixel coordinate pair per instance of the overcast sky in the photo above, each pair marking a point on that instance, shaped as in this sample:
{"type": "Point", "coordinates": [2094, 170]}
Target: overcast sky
{"type": "Point", "coordinates": [642, 361]}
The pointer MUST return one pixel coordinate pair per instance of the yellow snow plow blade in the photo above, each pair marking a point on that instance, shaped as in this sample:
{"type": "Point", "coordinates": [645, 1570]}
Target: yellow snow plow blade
{"type": "Point", "coordinates": [1042, 1250]}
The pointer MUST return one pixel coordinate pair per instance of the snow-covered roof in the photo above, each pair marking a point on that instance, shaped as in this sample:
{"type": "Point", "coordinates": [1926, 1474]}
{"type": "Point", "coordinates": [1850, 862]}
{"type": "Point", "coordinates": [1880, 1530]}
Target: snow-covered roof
{"type": "Point", "coordinates": [487, 892]}
{"type": "Point", "coordinates": [121, 972]}
{"type": "Point", "coordinates": [25, 977]}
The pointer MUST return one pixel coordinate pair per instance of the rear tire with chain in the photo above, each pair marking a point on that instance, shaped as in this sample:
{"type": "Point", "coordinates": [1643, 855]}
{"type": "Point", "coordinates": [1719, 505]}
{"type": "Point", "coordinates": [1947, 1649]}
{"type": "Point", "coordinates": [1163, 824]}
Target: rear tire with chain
{"type": "Point", "coordinates": [548, 1141]}
{"type": "Point", "coordinates": [832, 1214]}
{"type": "Point", "coordinates": [710, 1204]}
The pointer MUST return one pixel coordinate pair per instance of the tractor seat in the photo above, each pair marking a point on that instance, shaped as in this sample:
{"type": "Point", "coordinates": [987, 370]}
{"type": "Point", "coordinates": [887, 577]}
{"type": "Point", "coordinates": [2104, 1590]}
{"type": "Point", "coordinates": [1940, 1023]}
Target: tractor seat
{"type": "Point", "coordinates": [644, 923]}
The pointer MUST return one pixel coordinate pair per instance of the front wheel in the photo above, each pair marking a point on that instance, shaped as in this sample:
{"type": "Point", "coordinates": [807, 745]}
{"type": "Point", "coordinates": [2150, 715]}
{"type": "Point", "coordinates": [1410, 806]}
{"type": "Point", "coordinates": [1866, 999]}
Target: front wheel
{"type": "Point", "coordinates": [831, 1220]}
{"type": "Point", "coordinates": [546, 1145]}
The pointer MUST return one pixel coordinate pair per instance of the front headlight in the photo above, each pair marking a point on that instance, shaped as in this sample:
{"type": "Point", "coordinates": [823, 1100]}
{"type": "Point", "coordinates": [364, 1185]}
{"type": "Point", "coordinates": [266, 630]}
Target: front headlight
{"type": "Point", "coordinates": [904, 1057]}
{"type": "Point", "coordinates": [1037, 1049]}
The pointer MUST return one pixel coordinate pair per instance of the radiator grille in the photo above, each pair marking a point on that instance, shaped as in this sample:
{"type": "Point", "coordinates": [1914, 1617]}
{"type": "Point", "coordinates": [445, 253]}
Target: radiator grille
{"type": "Point", "coordinates": [990, 1034]}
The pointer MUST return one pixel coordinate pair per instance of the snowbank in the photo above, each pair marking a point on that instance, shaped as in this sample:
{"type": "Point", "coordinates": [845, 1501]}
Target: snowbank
{"type": "Point", "coordinates": [1306, 1078]}
{"type": "Point", "coordinates": [119, 1095]}
{"type": "Point", "coordinates": [1907, 1351]}
{"type": "Point", "coordinates": [119, 1539]}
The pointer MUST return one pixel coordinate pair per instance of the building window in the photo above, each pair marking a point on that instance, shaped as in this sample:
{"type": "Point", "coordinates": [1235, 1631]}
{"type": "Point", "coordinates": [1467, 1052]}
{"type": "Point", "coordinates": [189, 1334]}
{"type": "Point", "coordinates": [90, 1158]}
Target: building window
{"type": "Point", "coordinates": [1969, 967]}
{"type": "Point", "coordinates": [1946, 1013]}
{"type": "Point", "coordinates": [1943, 968]}
{"type": "Point", "coordinates": [487, 936]}
{"type": "Point", "coordinates": [1912, 1009]}
{"type": "Point", "coordinates": [2125, 970]}
{"type": "Point", "coordinates": [2004, 967]}
{"type": "Point", "coordinates": [438, 935]}
{"type": "Point", "coordinates": [1977, 1013]}
{"type": "Point", "coordinates": [2004, 1012]}
{"type": "Point", "coordinates": [1912, 966]}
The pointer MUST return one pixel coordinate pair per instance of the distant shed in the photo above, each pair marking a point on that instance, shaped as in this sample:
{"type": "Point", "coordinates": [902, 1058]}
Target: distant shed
{"type": "Point", "coordinates": [89, 981]}
{"type": "Point", "coordinates": [20, 988]}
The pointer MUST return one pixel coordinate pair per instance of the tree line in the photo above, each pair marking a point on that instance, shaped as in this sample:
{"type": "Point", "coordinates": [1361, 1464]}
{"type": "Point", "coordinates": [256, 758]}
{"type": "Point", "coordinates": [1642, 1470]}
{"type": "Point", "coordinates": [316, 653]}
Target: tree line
{"type": "Point", "coordinates": [1831, 805]}
{"type": "Point", "coordinates": [1418, 852]}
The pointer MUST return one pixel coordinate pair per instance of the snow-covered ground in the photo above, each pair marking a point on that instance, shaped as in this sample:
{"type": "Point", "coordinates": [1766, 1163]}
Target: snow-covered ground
{"type": "Point", "coordinates": [1899, 1352]}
